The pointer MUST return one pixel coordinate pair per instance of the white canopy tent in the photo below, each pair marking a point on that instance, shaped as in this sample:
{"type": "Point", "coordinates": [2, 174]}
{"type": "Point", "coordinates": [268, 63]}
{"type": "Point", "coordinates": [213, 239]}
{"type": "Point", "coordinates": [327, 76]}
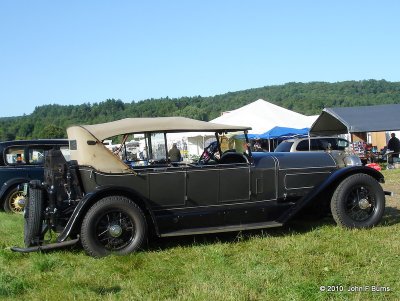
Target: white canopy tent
{"type": "Point", "coordinates": [262, 116]}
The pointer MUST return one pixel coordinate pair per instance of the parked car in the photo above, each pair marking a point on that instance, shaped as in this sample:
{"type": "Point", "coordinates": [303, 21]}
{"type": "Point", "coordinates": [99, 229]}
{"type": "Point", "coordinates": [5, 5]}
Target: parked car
{"type": "Point", "coordinates": [312, 144]}
{"type": "Point", "coordinates": [20, 162]}
{"type": "Point", "coordinates": [110, 205]}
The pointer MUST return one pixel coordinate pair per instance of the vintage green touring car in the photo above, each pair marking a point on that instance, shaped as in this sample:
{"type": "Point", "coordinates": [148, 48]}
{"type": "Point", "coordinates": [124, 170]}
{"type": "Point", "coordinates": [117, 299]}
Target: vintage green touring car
{"type": "Point", "coordinates": [110, 202]}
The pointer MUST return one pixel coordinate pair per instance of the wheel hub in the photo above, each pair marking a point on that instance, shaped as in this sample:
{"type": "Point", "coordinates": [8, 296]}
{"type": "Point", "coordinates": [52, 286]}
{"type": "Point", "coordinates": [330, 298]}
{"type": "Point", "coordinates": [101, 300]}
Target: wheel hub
{"type": "Point", "coordinates": [21, 202]}
{"type": "Point", "coordinates": [18, 203]}
{"type": "Point", "coordinates": [115, 230]}
{"type": "Point", "coordinates": [364, 204]}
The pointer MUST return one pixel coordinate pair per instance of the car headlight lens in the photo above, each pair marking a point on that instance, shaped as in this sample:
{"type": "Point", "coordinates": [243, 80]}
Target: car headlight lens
{"type": "Point", "coordinates": [352, 160]}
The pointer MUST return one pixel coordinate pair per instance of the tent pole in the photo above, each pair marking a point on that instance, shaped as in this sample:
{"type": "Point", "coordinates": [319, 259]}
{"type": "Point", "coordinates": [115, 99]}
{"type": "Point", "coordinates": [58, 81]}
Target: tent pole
{"type": "Point", "coordinates": [269, 144]}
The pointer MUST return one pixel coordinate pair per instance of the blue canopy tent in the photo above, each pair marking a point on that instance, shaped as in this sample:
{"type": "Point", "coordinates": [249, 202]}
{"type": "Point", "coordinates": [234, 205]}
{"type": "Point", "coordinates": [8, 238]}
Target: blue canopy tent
{"type": "Point", "coordinates": [280, 132]}
{"type": "Point", "coordinates": [277, 132]}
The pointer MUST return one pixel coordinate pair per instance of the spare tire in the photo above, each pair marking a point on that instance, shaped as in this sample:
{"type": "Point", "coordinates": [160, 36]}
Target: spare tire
{"type": "Point", "coordinates": [33, 215]}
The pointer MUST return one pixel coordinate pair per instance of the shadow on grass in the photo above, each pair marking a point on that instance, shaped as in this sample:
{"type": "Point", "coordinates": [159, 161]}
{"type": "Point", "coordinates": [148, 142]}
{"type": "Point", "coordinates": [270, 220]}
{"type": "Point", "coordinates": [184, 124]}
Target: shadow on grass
{"type": "Point", "coordinates": [391, 216]}
{"type": "Point", "coordinates": [103, 290]}
{"type": "Point", "coordinates": [299, 225]}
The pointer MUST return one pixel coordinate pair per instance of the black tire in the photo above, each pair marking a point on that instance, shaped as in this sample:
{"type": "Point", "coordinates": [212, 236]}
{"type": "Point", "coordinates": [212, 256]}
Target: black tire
{"type": "Point", "coordinates": [33, 214]}
{"type": "Point", "coordinates": [14, 201]}
{"type": "Point", "coordinates": [114, 225]}
{"type": "Point", "coordinates": [358, 202]}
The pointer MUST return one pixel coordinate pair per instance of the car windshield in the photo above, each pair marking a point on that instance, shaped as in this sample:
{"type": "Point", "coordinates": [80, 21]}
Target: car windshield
{"type": "Point", "coordinates": [284, 146]}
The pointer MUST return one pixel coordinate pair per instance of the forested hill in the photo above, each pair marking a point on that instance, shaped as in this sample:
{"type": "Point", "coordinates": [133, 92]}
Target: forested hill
{"type": "Point", "coordinates": [50, 121]}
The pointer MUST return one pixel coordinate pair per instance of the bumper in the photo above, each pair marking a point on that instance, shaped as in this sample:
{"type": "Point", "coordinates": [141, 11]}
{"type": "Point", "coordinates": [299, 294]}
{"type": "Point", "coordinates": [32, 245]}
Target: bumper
{"type": "Point", "coordinates": [53, 246]}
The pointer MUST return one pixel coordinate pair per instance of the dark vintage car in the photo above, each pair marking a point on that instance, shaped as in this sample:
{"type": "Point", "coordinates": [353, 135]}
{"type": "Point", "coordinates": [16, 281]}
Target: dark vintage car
{"type": "Point", "coordinates": [110, 204]}
{"type": "Point", "coordinates": [20, 162]}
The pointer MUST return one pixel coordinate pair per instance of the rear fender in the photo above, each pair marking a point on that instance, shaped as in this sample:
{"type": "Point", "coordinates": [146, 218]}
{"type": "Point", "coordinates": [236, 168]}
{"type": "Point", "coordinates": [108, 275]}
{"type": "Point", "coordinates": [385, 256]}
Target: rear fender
{"type": "Point", "coordinates": [90, 198]}
{"type": "Point", "coordinates": [330, 183]}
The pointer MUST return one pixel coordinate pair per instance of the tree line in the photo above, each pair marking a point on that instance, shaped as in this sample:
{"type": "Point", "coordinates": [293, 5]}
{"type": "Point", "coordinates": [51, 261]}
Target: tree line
{"type": "Point", "coordinates": [50, 121]}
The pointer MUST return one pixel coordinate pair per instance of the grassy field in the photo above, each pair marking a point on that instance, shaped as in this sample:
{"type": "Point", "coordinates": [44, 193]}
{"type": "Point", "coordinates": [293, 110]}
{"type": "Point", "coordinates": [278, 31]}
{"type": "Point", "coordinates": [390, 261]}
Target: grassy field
{"type": "Point", "coordinates": [290, 263]}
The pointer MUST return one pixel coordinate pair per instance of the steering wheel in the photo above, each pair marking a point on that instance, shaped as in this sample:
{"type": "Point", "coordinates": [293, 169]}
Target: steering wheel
{"type": "Point", "coordinates": [209, 153]}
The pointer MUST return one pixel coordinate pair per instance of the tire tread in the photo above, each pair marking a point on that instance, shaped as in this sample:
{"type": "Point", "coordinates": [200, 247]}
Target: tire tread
{"type": "Point", "coordinates": [33, 220]}
{"type": "Point", "coordinates": [111, 201]}
{"type": "Point", "coordinates": [340, 217]}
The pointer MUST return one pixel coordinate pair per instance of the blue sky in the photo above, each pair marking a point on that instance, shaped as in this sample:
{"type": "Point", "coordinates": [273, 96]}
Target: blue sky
{"type": "Point", "coordinates": [73, 52]}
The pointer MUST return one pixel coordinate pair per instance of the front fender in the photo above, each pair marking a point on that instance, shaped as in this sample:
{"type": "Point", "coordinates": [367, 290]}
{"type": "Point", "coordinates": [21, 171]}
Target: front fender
{"type": "Point", "coordinates": [331, 182]}
{"type": "Point", "coordinates": [87, 201]}
{"type": "Point", "coordinates": [10, 184]}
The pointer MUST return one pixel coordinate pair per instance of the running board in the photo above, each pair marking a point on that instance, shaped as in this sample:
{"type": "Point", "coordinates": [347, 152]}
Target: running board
{"type": "Point", "coordinates": [218, 229]}
{"type": "Point", "coordinates": [46, 247]}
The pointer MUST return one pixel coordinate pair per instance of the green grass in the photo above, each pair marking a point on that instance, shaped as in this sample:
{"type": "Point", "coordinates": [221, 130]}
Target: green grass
{"type": "Point", "coordinates": [289, 263]}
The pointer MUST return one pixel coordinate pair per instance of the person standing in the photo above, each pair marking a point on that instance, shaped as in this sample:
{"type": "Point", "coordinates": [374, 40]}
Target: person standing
{"type": "Point", "coordinates": [394, 145]}
{"type": "Point", "coordinates": [174, 154]}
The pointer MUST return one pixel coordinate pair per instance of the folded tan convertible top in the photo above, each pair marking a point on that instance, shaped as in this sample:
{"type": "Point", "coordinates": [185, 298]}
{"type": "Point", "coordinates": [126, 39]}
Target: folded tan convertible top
{"type": "Point", "coordinates": [156, 124]}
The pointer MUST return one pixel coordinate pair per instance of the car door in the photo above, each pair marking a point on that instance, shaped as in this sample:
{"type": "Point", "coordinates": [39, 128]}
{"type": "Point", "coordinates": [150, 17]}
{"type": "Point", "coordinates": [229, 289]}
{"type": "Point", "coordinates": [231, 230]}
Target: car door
{"type": "Point", "coordinates": [253, 194]}
{"type": "Point", "coordinates": [234, 183]}
{"type": "Point", "coordinates": [185, 197]}
{"type": "Point", "coordinates": [167, 184]}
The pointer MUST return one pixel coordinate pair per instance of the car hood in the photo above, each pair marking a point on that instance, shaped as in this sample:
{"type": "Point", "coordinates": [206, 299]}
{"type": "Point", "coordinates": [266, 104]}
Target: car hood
{"type": "Point", "coordinates": [292, 160]}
